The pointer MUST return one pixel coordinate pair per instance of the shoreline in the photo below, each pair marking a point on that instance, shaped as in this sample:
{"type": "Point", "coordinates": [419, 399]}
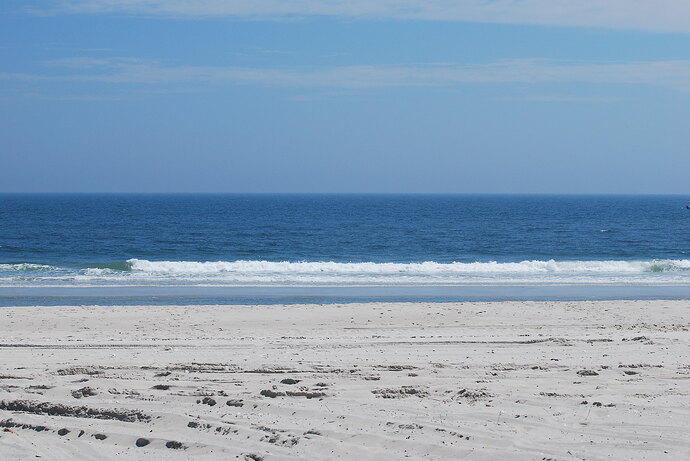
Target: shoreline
{"type": "Point", "coordinates": [524, 380]}
{"type": "Point", "coordinates": [298, 295]}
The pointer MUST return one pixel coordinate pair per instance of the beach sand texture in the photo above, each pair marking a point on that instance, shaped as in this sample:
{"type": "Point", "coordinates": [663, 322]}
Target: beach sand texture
{"type": "Point", "coordinates": [476, 381]}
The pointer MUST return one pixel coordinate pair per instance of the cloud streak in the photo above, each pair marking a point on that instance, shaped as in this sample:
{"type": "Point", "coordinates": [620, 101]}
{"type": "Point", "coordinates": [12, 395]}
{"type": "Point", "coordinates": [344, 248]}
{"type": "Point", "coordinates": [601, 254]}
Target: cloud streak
{"type": "Point", "coordinates": [646, 15]}
{"type": "Point", "coordinates": [674, 74]}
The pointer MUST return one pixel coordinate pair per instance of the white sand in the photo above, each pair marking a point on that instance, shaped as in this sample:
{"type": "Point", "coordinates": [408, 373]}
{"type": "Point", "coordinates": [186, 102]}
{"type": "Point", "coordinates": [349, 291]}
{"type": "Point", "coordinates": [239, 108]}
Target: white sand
{"type": "Point", "coordinates": [475, 381]}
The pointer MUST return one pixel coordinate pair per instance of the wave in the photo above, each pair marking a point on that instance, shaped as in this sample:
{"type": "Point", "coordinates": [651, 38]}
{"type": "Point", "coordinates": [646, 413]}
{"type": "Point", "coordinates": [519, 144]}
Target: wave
{"type": "Point", "coordinates": [25, 267]}
{"type": "Point", "coordinates": [429, 268]}
{"type": "Point", "coordinates": [142, 271]}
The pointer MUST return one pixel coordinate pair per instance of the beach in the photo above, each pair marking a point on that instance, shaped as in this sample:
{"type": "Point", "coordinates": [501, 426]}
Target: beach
{"type": "Point", "coordinates": [344, 230]}
{"type": "Point", "coordinates": [478, 381]}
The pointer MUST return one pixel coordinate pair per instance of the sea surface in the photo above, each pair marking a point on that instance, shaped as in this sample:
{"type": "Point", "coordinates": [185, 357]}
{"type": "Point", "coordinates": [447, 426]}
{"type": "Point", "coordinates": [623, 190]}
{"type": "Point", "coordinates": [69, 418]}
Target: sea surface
{"type": "Point", "coordinates": [214, 249]}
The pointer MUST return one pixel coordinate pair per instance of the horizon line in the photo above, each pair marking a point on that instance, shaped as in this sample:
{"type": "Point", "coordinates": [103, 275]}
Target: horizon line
{"type": "Point", "coordinates": [590, 194]}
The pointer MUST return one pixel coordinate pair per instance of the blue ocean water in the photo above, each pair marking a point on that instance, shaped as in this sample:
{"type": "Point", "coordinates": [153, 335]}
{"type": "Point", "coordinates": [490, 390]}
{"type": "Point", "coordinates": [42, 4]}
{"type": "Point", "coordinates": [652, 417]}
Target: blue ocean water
{"type": "Point", "coordinates": [169, 247]}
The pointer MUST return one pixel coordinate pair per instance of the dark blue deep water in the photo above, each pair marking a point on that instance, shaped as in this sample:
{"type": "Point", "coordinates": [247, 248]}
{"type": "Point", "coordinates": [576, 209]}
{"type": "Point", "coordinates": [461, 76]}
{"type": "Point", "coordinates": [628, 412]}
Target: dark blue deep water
{"type": "Point", "coordinates": [215, 241]}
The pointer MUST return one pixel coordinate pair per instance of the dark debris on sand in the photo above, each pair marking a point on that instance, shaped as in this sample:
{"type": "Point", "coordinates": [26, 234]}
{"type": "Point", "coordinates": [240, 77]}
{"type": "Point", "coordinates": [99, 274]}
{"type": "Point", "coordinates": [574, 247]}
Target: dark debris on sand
{"type": "Point", "coordinates": [84, 392]}
{"type": "Point", "coordinates": [56, 409]}
{"type": "Point", "coordinates": [309, 395]}
{"type": "Point", "coordinates": [587, 373]}
{"type": "Point", "coordinates": [405, 391]}
{"type": "Point", "coordinates": [142, 442]}
{"type": "Point", "coordinates": [10, 424]}
{"type": "Point", "coordinates": [174, 445]}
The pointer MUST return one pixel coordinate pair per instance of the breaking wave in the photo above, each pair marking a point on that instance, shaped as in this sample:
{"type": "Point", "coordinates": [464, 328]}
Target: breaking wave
{"type": "Point", "coordinates": [25, 267]}
{"type": "Point", "coordinates": [428, 268]}
{"type": "Point", "coordinates": [142, 271]}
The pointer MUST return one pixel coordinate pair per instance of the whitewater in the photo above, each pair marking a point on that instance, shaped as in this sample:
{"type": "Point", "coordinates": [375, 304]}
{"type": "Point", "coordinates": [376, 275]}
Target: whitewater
{"type": "Point", "coordinates": [139, 271]}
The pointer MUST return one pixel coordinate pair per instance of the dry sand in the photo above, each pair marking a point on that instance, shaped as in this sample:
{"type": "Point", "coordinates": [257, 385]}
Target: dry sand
{"type": "Point", "coordinates": [475, 381]}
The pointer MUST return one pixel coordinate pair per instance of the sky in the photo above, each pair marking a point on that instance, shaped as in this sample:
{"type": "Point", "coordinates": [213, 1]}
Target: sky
{"type": "Point", "coordinates": [359, 96]}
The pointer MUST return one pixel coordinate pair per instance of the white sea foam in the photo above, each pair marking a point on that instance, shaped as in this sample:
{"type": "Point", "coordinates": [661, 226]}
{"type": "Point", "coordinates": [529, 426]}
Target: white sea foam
{"type": "Point", "coordinates": [328, 272]}
{"type": "Point", "coordinates": [428, 268]}
{"type": "Point", "coordinates": [95, 271]}
{"type": "Point", "coordinates": [26, 267]}
{"type": "Point", "coordinates": [141, 271]}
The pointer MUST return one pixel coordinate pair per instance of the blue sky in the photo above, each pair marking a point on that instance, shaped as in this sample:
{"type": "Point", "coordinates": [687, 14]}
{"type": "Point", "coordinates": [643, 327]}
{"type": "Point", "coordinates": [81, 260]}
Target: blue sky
{"type": "Point", "coordinates": [464, 96]}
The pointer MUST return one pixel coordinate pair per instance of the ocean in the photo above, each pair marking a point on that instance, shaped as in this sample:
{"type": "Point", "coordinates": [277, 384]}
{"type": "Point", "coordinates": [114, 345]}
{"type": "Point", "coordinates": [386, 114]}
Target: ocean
{"type": "Point", "coordinates": [219, 249]}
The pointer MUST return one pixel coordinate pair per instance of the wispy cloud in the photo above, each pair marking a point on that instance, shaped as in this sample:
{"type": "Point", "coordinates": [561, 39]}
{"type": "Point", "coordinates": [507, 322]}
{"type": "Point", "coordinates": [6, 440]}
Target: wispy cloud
{"type": "Point", "coordinates": [670, 74]}
{"type": "Point", "coordinates": [561, 99]}
{"type": "Point", "coordinates": [115, 96]}
{"type": "Point", "coordinates": [648, 15]}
